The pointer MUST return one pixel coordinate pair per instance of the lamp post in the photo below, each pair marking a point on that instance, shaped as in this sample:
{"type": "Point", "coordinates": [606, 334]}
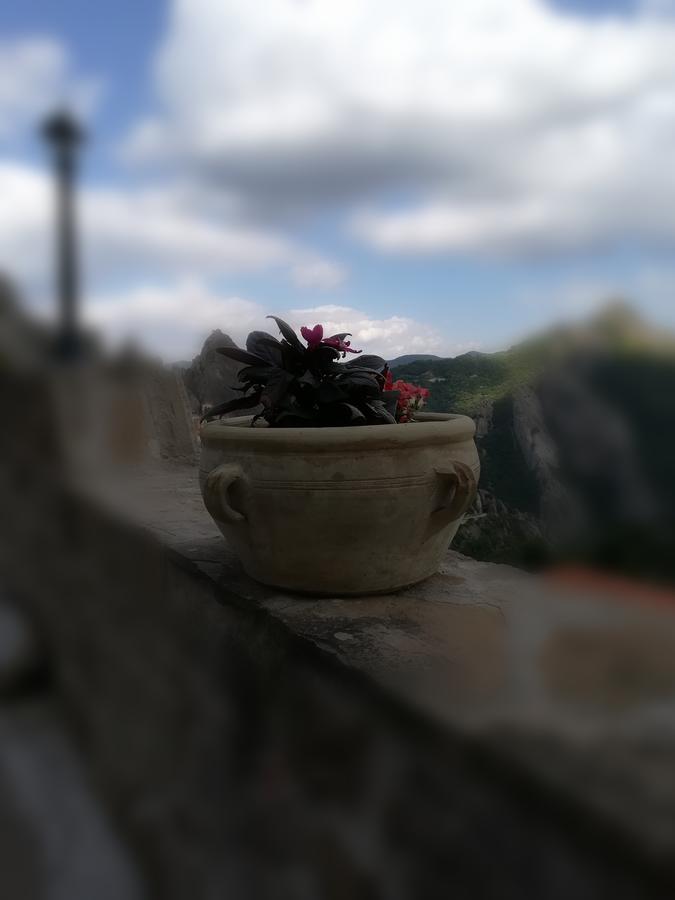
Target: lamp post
{"type": "Point", "coordinates": [64, 136]}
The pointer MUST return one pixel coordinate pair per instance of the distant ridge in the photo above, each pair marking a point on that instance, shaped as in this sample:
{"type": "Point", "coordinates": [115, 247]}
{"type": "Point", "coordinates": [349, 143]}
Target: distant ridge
{"type": "Point", "coordinates": [408, 358]}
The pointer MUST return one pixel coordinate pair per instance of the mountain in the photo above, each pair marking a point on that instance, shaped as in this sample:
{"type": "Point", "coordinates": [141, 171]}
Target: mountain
{"type": "Point", "coordinates": [410, 358]}
{"type": "Point", "coordinates": [575, 430]}
{"type": "Point", "coordinates": [210, 377]}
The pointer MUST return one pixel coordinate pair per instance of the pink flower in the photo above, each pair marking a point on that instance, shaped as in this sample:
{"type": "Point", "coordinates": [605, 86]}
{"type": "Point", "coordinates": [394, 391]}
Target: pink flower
{"type": "Point", "coordinates": [338, 342]}
{"type": "Point", "coordinates": [313, 336]}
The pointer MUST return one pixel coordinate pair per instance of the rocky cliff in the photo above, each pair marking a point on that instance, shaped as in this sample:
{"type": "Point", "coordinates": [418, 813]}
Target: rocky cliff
{"type": "Point", "coordinates": [575, 429]}
{"type": "Point", "coordinates": [210, 378]}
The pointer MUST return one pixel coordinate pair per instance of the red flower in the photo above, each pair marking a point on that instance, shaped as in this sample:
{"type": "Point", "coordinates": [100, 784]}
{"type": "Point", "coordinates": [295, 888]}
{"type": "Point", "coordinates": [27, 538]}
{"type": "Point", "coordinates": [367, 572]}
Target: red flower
{"type": "Point", "coordinates": [410, 396]}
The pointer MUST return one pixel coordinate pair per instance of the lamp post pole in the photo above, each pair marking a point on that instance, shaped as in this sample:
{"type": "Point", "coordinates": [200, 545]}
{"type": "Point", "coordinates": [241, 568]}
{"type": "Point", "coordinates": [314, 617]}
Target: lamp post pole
{"type": "Point", "coordinates": [64, 136]}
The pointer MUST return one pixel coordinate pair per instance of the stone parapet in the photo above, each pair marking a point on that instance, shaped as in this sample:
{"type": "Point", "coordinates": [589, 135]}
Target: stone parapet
{"type": "Point", "coordinates": [484, 734]}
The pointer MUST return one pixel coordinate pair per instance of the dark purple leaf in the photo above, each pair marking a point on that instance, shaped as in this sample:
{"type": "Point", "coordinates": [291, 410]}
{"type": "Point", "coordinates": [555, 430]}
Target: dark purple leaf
{"type": "Point", "coordinates": [288, 333]}
{"type": "Point", "coordinates": [276, 387]}
{"type": "Point", "coordinates": [248, 359]}
{"type": "Point", "coordinates": [256, 374]}
{"type": "Point", "coordinates": [378, 414]}
{"type": "Point", "coordinates": [261, 344]}
{"type": "Point", "coordinates": [331, 392]}
{"type": "Point", "coordinates": [232, 406]}
{"type": "Point", "coordinates": [323, 358]}
{"type": "Point", "coordinates": [390, 399]}
{"type": "Point", "coordinates": [354, 414]}
{"type": "Point", "coordinates": [367, 362]}
{"type": "Point", "coordinates": [363, 382]}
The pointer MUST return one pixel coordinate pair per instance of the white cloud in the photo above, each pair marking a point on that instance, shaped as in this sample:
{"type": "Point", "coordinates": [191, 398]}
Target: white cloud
{"type": "Point", "coordinates": [388, 337]}
{"type": "Point", "coordinates": [146, 233]}
{"type": "Point", "coordinates": [24, 247]}
{"type": "Point", "coordinates": [173, 320]}
{"type": "Point", "coordinates": [148, 229]}
{"type": "Point", "coordinates": [318, 273]}
{"type": "Point", "coordinates": [516, 128]}
{"type": "Point", "coordinates": [35, 76]}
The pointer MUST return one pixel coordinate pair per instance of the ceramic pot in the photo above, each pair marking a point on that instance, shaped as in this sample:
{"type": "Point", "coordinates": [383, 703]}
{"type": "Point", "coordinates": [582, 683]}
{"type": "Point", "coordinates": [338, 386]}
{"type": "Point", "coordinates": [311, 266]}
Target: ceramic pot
{"type": "Point", "coordinates": [338, 511]}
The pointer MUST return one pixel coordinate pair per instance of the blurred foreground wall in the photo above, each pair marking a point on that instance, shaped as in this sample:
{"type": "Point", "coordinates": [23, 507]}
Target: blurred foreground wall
{"type": "Point", "coordinates": [248, 745]}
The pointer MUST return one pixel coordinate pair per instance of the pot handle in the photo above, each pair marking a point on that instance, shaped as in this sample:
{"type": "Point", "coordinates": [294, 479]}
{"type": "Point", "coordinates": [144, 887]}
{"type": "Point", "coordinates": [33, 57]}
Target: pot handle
{"type": "Point", "coordinates": [217, 488]}
{"type": "Point", "coordinates": [460, 486]}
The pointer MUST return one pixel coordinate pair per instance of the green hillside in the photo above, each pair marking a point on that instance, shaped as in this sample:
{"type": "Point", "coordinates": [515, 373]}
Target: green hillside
{"type": "Point", "coordinates": [463, 383]}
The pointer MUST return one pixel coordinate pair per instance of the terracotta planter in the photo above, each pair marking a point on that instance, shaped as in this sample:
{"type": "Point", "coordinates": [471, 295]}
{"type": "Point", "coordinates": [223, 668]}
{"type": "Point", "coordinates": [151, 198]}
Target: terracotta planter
{"type": "Point", "coordinates": [340, 510]}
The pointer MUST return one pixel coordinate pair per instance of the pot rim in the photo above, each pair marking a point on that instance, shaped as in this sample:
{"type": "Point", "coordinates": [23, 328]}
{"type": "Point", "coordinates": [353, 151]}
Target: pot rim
{"type": "Point", "coordinates": [427, 429]}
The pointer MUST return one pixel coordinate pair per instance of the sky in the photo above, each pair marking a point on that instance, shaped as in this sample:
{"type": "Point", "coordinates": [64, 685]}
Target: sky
{"type": "Point", "coordinates": [431, 176]}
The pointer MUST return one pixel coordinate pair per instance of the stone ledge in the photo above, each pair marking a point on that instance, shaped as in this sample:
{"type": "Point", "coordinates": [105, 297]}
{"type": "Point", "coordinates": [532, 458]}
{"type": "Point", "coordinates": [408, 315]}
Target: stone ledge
{"type": "Point", "coordinates": [496, 689]}
{"type": "Point", "coordinates": [485, 650]}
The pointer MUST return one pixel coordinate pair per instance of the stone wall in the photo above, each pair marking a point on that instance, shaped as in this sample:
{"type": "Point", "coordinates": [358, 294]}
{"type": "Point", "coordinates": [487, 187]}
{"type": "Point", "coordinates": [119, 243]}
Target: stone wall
{"type": "Point", "coordinates": [241, 754]}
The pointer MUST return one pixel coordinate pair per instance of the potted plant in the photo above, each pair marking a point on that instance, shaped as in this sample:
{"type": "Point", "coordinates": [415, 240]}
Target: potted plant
{"type": "Point", "coordinates": [337, 484]}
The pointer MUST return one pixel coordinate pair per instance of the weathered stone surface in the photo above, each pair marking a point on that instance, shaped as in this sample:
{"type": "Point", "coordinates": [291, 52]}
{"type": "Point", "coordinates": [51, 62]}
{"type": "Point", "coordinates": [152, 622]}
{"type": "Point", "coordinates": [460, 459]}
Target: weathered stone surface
{"type": "Point", "coordinates": [126, 411]}
{"type": "Point", "coordinates": [261, 745]}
